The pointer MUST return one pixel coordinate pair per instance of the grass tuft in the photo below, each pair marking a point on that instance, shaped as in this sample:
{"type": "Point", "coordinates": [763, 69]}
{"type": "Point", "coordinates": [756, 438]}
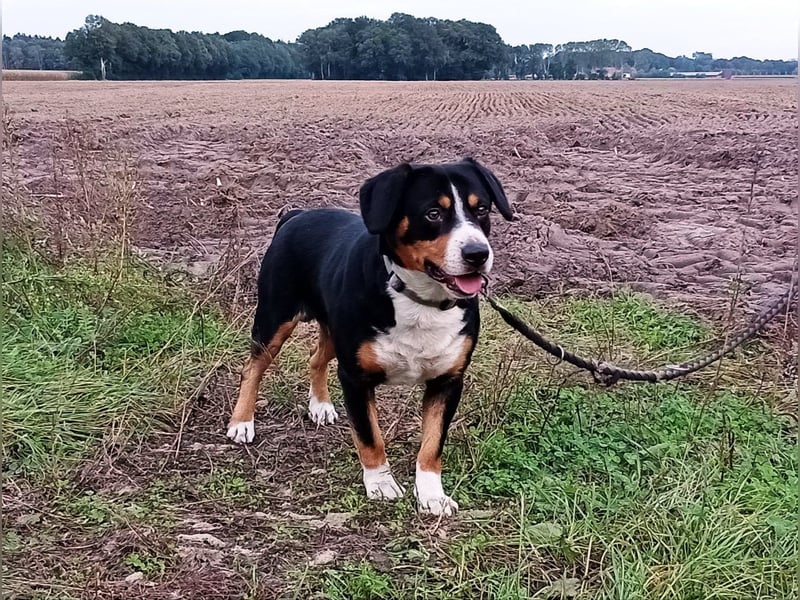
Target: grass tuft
{"type": "Point", "coordinates": [94, 352]}
{"type": "Point", "coordinates": [632, 318]}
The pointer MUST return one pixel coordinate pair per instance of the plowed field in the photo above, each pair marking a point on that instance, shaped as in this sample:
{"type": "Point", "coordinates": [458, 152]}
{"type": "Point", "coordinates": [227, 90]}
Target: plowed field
{"type": "Point", "coordinates": [644, 183]}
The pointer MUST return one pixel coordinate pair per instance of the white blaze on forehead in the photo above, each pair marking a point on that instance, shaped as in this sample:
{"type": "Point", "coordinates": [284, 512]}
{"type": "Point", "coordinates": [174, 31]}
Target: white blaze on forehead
{"type": "Point", "coordinates": [460, 217]}
{"type": "Point", "coordinates": [464, 232]}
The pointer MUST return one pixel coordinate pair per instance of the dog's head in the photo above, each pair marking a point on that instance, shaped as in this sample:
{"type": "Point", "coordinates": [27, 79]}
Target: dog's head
{"type": "Point", "coordinates": [435, 219]}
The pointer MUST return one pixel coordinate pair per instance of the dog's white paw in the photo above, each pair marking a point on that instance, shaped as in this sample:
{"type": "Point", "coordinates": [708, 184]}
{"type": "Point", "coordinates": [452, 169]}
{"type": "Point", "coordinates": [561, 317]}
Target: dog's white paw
{"type": "Point", "coordinates": [243, 432]}
{"type": "Point", "coordinates": [381, 485]}
{"type": "Point", "coordinates": [439, 505]}
{"type": "Point", "coordinates": [431, 498]}
{"type": "Point", "coordinates": [322, 413]}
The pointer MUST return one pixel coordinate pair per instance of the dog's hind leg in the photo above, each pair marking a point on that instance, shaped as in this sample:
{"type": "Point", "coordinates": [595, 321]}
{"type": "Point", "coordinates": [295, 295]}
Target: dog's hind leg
{"type": "Point", "coordinates": [267, 342]}
{"type": "Point", "coordinates": [320, 408]}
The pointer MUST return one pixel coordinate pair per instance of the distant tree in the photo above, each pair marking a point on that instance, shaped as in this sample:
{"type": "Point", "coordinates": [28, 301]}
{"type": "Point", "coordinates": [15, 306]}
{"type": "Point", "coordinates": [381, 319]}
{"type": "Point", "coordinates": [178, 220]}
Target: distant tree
{"type": "Point", "coordinates": [703, 61]}
{"type": "Point", "coordinates": [371, 52]}
{"type": "Point", "coordinates": [683, 63]}
{"type": "Point", "coordinates": [237, 36]}
{"type": "Point", "coordinates": [540, 56]}
{"type": "Point", "coordinates": [328, 51]}
{"type": "Point", "coordinates": [588, 57]}
{"type": "Point", "coordinates": [403, 47]}
{"type": "Point", "coordinates": [519, 61]}
{"type": "Point", "coordinates": [93, 46]}
{"type": "Point", "coordinates": [473, 49]}
{"type": "Point", "coordinates": [427, 51]}
{"type": "Point", "coordinates": [645, 61]}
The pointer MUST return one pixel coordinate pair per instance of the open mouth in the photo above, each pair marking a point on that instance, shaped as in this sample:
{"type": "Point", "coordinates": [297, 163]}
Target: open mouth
{"type": "Point", "coordinates": [468, 284]}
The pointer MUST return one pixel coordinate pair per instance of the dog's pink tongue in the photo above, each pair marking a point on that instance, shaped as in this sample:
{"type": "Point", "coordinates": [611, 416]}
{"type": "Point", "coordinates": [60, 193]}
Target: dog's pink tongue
{"type": "Point", "coordinates": [469, 284]}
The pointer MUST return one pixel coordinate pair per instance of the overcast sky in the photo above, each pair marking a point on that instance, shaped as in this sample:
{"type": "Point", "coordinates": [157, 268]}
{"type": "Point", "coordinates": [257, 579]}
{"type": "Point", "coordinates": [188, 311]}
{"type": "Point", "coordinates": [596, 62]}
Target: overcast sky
{"type": "Point", "coordinates": [727, 28]}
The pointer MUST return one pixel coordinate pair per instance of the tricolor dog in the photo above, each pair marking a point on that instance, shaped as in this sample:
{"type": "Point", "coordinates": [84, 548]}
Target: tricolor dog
{"type": "Point", "coordinates": [395, 293]}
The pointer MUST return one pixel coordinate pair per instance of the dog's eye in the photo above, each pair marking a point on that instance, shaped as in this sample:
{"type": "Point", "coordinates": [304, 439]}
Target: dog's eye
{"type": "Point", "coordinates": [482, 210]}
{"type": "Point", "coordinates": [434, 215]}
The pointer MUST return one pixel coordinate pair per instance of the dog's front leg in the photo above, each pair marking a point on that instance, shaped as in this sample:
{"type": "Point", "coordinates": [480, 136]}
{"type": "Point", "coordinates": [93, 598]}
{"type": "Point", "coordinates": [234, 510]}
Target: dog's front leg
{"type": "Point", "coordinates": [439, 404]}
{"type": "Point", "coordinates": [360, 401]}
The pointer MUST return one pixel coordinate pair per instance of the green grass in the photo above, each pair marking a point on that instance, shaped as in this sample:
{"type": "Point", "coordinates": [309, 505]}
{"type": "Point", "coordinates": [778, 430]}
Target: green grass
{"type": "Point", "coordinates": [357, 582]}
{"type": "Point", "coordinates": [675, 499]}
{"type": "Point", "coordinates": [632, 318]}
{"type": "Point", "coordinates": [94, 354]}
{"type": "Point", "coordinates": [683, 491]}
{"type": "Point", "coordinates": [225, 485]}
{"type": "Point", "coordinates": [362, 581]}
{"type": "Point", "coordinates": [147, 563]}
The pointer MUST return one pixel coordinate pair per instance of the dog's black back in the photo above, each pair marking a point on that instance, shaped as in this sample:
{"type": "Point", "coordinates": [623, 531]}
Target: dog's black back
{"type": "Point", "coordinates": [325, 266]}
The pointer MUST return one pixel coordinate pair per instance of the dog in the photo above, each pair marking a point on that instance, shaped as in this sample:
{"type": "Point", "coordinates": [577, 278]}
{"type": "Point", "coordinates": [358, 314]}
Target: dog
{"type": "Point", "coordinates": [395, 294]}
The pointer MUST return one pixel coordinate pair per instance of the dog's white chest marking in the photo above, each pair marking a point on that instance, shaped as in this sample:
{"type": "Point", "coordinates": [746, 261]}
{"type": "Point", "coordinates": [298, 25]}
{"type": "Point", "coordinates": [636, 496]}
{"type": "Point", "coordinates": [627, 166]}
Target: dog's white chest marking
{"type": "Point", "coordinates": [425, 342]}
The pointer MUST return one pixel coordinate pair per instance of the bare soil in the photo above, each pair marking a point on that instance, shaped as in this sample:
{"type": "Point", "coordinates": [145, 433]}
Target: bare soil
{"type": "Point", "coordinates": [646, 183]}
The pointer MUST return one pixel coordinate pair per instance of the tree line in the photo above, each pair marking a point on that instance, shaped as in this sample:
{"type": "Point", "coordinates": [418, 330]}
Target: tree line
{"type": "Point", "coordinates": [34, 52]}
{"type": "Point", "coordinates": [402, 47]}
{"type": "Point", "coordinates": [599, 59]}
{"type": "Point", "coordinates": [106, 50]}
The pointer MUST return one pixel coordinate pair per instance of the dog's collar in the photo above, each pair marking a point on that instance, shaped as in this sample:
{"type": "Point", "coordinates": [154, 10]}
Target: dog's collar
{"type": "Point", "coordinates": [399, 286]}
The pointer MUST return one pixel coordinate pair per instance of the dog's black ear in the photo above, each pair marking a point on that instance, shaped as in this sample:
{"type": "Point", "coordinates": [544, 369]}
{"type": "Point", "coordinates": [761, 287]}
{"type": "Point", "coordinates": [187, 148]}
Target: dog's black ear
{"type": "Point", "coordinates": [380, 197]}
{"type": "Point", "coordinates": [495, 188]}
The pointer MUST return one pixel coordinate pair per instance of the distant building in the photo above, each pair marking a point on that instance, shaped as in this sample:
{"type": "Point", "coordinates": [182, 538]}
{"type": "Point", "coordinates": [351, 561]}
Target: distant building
{"type": "Point", "coordinates": [625, 72]}
{"type": "Point", "coordinates": [695, 74]}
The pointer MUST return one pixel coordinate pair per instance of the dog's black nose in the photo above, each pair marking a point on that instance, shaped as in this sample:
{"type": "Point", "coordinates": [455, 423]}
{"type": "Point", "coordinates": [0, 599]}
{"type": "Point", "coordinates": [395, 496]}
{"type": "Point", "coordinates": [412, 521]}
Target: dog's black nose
{"type": "Point", "coordinates": [475, 254]}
